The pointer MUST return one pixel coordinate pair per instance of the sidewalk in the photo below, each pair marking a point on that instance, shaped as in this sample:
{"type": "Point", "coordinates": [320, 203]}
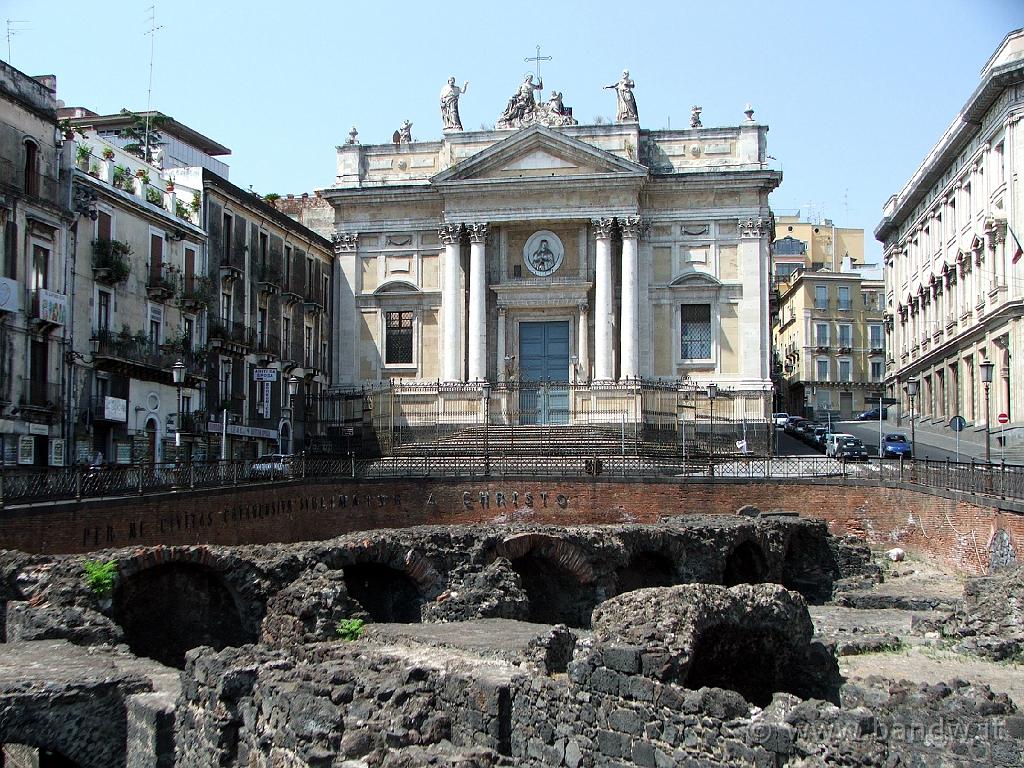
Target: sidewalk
{"type": "Point", "coordinates": [939, 435]}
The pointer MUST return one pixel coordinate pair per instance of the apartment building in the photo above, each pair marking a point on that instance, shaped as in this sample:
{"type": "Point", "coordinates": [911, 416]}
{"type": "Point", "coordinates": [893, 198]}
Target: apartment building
{"type": "Point", "coordinates": [829, 343]}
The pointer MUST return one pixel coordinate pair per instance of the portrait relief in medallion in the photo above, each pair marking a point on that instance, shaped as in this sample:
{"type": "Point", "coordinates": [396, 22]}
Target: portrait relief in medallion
{"type": "Point", "coordinates": [543, 253]}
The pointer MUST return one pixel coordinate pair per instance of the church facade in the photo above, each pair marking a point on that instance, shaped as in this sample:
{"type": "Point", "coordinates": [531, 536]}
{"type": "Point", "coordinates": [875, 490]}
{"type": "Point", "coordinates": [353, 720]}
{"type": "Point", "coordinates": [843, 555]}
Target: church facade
{"type": "Point", "coordinates": [600, 256]}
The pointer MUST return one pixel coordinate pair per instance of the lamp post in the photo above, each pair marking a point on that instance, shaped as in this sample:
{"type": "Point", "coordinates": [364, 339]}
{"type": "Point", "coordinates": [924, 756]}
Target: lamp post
{"type": "Point", "coordinates": [912, 393]}
{"type": "Point", "coordinates": [987, 368]}
{"type": "Point", "coordinates": [178, 372]}
{"type": "Point", "coordinates": [712, 394]}
{"type": "Point", "coordinates": [293, 388]}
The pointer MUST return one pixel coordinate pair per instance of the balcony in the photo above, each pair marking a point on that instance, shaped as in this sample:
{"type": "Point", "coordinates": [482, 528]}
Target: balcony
{"type": "Point", "coordinates": [822, 347]}
{"type": "Point", "coordinates": [138, 356]}
{"type": "Point", "coordinates": [230, 335]}
{"type": "Point", "coordinates": [193, 423]}
{"type": "Point", "coordinates": [162, 283]}
{"type": "Point", "coordinates": [268, 346]}
{"type": "Point", "coordinates": [845, 305]}
{"type": "Point", "coordinates": [233, 404]}
{"type": "Point", "coordinates": [312, 307]}
{"type": "Point", "coordinates": [268, 280]}
{"type": "Point", "coordinates": [110, 261]}
{"type": "Point", "coordinates": [49, 308]}
{"type": "Point", "coordinates": [196, 293]}
{"type": "Point", "coordinates": [41, 397]}
{"type": "Point", "coordinates": [109, 409]}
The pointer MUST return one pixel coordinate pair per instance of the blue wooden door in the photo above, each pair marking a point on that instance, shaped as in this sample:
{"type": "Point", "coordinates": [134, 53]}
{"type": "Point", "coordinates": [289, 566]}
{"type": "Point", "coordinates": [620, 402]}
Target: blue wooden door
{"type": "Point", "coordinates": [544, 372]}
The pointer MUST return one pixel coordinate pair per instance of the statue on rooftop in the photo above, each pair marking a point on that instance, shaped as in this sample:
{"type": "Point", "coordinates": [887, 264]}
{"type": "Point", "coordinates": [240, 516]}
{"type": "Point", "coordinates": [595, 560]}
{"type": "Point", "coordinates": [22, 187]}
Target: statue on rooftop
{"type": "Point", "coordinates": [404, 133]}
{"type": "Point", "coordinates": [524, 110]}
{"type": "Point", "coordinates": [450, 105]}
{"type": "Point", "coordinates": [626, 103]}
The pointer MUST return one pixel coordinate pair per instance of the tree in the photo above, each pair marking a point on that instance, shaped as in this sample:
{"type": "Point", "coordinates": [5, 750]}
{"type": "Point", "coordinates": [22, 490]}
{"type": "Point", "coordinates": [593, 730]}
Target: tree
{"type": "Point", "coordinates": [135, 133]}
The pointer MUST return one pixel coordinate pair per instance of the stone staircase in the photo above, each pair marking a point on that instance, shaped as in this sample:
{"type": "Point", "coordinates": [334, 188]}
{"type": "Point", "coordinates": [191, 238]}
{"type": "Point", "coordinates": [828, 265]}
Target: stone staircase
{"type": "Point", "coordinates": [541, 440]}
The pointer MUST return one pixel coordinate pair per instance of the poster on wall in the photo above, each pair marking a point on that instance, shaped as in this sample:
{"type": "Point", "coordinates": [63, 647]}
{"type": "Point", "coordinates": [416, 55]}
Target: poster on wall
{"type": "Point", "coordinates": [26, 449]}
{"type": "Point", "coordinates": [123, 452]}
{"type": "Point", "coordinates": [10, 449]}
{"type": "Point", "coordinates": [57, 448]}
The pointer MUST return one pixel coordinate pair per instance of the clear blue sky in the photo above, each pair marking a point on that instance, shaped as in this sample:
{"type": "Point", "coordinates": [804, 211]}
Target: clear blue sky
{"type": "Point", "coordinates": [855, 93]}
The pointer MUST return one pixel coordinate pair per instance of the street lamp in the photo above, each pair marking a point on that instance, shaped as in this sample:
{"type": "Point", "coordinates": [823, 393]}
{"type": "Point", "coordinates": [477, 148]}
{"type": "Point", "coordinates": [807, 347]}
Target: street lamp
{"type": "Point", "coordinates": [712, 394]}
{"type": "Point", "coordinates": [987, 368]}
{"type": "Point", "coordinates": [178, 372]}
{"type": "Point", "coordinates": [912, 393]}
{"type": "Point", "coordinates": [293, 388]}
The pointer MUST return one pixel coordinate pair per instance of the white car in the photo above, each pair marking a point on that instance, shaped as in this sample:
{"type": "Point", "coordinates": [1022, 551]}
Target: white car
{"type": "Point", "coordinates": [780, 419]}
{"type": "Point", "coordinates": [831, 441]}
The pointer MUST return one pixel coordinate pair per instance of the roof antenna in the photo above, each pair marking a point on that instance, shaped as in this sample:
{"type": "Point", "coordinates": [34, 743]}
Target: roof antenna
{"type": "Point", "coordinates": [12, 30]}
{"type": "Point", "coordinates": [149, 93]}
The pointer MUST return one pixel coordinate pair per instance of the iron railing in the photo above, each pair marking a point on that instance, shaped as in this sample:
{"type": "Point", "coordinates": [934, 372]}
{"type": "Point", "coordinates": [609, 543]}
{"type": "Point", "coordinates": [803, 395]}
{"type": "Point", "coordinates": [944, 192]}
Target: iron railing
{"type": "Point", "coordinates": [31, 484]}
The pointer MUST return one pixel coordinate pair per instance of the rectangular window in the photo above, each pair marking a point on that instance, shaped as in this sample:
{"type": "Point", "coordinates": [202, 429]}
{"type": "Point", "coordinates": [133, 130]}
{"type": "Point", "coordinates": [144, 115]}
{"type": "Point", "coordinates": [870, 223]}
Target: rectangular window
{"type": "Point", "coordinates": [225, 251]}
{"type": "Point", "coordinates": [31, 169]}
{"type": "Point", "coordinates": [104, 228]}
{"type": "Point", "coordinates": [876, 370]}
{"type": "Point", "coordinates": [844, 297]}
{"type": "Point", "coordinates": [326, 286]}
{"type": "Point", "coordinates": [190, 271]}
{"type": "Point", "coordinates": [310, 271]}
{"type": "Point", "coordinates": [997, 165]}
{"type": "Point", "coordinates": [188, 332]}
{"type": "Point", "coordinates": [307, 349]}
{"type": "Point", "coordinates": [40, 267]}
{"type": "Point", "coordinates": [264, 256]}
{"type": "Point", "coordinates": [225, 379]}
{"type": "Point", "coordinates": [225, 306]}
{"type": "Point", "coordinates": [286, 335]}
{"type": "Point", "coordinates": [696, 331]}
{"type": "Point", "coordinates": [261, 326]}
{"type": "Point", "coordinates": [287, 267]}
{"type": "Point", "coordinates": [103, 311]}
{"type": "Point", "coordinates": [845, 370]}
{"type": "Point", "coordinates": [821, 297]}
{"type": "Point", "coordinates": [821, 334]}
{"type": "Point", "coordinates": [156, 256]}
{"type": "Point", "coordinates": [822, 370]}
{"type": "Point", "coordinates": [845, 335]}
{"type": "Point", "coordinates": [398, 338]}
{"type": "Point", "coordinates": [875, 336]}
{"type": "Point", "coordinates": [156, 322]}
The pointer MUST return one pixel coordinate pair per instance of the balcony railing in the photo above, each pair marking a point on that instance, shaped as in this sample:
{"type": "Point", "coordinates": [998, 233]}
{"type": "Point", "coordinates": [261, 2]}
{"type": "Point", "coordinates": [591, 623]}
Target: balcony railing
{"type": "Point", "coordinates": [110, 261]}
{"type": "Point", "coordinates": [141, 350]}
{"type": "Point", "coordinates": [49, 307]}
{"type": "Point", "coordinates": [196, 292]}
{"type": "Point", "coordinates": [41, 394]}
{"type": "Point", "coordinates": [268, 344]}
{"type": "Point", "coordinates": [234, 404]}
{"type": "Point", "coordinates": [162, 283]}
{"type": "Point", "coordinates": [230, 332]}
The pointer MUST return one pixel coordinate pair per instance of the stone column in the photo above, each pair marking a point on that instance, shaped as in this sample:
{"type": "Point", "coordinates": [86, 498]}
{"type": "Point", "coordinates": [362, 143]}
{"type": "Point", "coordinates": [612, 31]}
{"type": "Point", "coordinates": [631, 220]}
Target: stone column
{"type": "Point", "coordinates": [477, 303]}
{"type": "Point", "coordinates": [451, 304]}
{"type": "Point", "coordinates": [583, 343]}
{"type": "Point", "coordinates": [500, 360]}
{"type": "Point", "coordinates": [603, 301]}
{"type": "Point", "coordinates": [629, 328]}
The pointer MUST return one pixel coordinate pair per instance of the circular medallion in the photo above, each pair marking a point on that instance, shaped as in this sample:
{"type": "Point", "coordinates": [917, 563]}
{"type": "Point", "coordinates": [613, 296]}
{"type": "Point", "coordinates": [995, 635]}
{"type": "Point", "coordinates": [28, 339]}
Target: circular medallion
{"type": "Point", "coordinates": [543, 253]}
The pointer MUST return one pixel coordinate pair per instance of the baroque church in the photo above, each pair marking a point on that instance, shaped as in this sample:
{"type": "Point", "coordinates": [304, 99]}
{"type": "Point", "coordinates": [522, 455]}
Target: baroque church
{"type": "Point", "coordinates": [601, 257]}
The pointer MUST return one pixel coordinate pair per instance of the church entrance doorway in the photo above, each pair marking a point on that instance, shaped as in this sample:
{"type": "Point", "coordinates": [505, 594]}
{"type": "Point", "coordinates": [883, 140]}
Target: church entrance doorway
{"type": "Point", "coordinates": [544, 372]}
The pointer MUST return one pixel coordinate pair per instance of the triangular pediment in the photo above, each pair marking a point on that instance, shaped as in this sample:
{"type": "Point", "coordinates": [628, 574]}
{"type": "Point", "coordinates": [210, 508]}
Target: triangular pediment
{"type": "Point", "coordinates": [542, 152]}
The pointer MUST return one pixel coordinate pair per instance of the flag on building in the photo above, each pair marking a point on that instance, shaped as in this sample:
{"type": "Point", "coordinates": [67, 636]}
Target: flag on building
{"type": "Point", "coordinates": [1016, 241]}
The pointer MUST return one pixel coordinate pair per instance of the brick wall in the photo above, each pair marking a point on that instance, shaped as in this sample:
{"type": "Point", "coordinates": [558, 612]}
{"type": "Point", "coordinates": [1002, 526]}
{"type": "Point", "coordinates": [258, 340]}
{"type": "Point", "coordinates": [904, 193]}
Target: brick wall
{"type": "Point", "coordinates": [957, 531]}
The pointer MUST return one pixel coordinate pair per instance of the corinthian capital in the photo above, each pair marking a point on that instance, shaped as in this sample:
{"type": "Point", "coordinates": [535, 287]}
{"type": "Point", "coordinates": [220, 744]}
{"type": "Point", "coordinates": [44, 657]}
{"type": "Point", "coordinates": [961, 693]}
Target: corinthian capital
{"type": "Point", "coordinates": [631, 226]}
{"type": "Point", "coordinates": [449, 234]}
{"type": "Point", "coordinates": [344, 242]}
{"type": "Point", "coordinates": [604, 227]}
{"type": "Point", "coordinates": [753, 227]}
{"type": "Point", "coordinates": [477, 232]}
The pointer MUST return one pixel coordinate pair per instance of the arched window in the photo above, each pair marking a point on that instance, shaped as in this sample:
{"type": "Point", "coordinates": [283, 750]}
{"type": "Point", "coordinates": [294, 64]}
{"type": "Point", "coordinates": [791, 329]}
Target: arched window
{"type": "Point", "coordinates": [31, 177]}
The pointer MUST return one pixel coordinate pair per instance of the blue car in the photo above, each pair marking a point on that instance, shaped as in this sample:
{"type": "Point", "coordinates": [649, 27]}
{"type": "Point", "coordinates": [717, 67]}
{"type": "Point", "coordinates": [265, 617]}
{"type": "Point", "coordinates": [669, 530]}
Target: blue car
{"type": "Point", "coordinates": [895, 445]}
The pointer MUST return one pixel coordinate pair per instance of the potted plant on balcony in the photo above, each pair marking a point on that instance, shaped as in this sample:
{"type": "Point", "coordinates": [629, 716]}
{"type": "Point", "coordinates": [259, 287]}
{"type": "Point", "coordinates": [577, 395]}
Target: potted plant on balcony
{"type": "Point", "coordinates": [123, 178]}
{"type": "Point", "coordinates": [83, 154]}
{"type": "Point", "coordinates": [110, 260]}
{"type": "Point", "coordinates": [153, 196]}
{"type": "Point", "coordinates": [143, 174]}
{"type": "Point", "coordinates": [108, 153]}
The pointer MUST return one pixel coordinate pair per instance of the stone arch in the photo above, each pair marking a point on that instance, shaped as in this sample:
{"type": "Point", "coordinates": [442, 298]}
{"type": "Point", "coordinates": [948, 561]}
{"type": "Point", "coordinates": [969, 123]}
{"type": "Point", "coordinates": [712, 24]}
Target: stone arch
{"type": "Point", "coordinates": [646, 568]}
{"type": "Point", "coordinates": [745, 659]}
{"type": "Point", "coordinates": [1001, 552]}
{"type": "Point", "coordinates": [745, 564]}
{"type": "Point", "coordinates": [555, 575]}
{"type": "Point", "coordinates": [387, 594]}
{"type": "Point", "coordinates": [169, 605]}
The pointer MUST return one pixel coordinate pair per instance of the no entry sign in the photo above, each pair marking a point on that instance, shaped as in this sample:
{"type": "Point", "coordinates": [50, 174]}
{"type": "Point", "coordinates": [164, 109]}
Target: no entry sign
{"type": "Point", "coordinates": [1003, 418]}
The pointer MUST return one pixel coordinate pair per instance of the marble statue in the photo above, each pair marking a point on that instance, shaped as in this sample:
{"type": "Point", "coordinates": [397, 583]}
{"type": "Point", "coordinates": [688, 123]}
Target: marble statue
{"type": "Point", "coordinates": [450, 105]}
{"type": "Point", "coordinates": [626, 107]}
{"type": "Point", "coordinates": [524, 110]}
{"type": "Point", "coordinates": [695, 117]}
{"type": "Point", "coordinates": [521, 105]}
{"type": "Point", "coordinates": [404, 133]}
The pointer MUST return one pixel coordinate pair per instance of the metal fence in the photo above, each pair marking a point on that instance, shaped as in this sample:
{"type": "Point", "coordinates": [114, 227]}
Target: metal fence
{"type": "Point", "coordinates": [30, 485]}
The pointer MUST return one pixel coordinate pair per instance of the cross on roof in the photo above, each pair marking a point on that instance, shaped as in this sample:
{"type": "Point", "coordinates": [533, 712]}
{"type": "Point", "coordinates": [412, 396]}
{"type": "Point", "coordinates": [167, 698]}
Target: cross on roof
{"type": "Point", "coordinates": [538, 58]}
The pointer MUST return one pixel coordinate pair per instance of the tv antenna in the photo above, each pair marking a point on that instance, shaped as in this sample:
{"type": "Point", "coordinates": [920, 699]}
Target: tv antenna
{"type": "Point", "coordinates": [149, 92]}
{"type": "Point", "coordinates": [12, 30]}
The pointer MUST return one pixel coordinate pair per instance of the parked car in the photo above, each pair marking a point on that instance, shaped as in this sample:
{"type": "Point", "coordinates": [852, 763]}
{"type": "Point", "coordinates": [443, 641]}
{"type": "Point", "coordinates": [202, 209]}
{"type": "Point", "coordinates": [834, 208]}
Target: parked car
{"type": "Point", "coordinates": [780, 419]}
{"type": "Point", "coordinates": [805, 429]}
{"type": "Point", "coordinates": [273, 465]}
{"type": "Point", "coordinates": [896, 445]}
{"type": "Point", "coordinates": [831, 441]}
{"type": "Point", "coordinates": [851, 449]}
{"type": "Point", "coordinates": [792, 422]}
{"type": "Point", "coordinates": [817, 438]}
{"type": "Point", "coordinates": [872, 415]}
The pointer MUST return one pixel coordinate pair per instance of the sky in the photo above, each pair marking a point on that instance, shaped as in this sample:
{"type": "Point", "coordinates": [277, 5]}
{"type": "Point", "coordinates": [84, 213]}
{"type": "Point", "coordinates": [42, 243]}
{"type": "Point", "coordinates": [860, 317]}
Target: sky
{"type": "Point", "coordinates": [854, 93]}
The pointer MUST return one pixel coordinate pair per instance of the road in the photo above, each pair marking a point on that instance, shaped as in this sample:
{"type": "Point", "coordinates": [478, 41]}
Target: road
{"type": "Point", "coordinates": [867, 431]}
